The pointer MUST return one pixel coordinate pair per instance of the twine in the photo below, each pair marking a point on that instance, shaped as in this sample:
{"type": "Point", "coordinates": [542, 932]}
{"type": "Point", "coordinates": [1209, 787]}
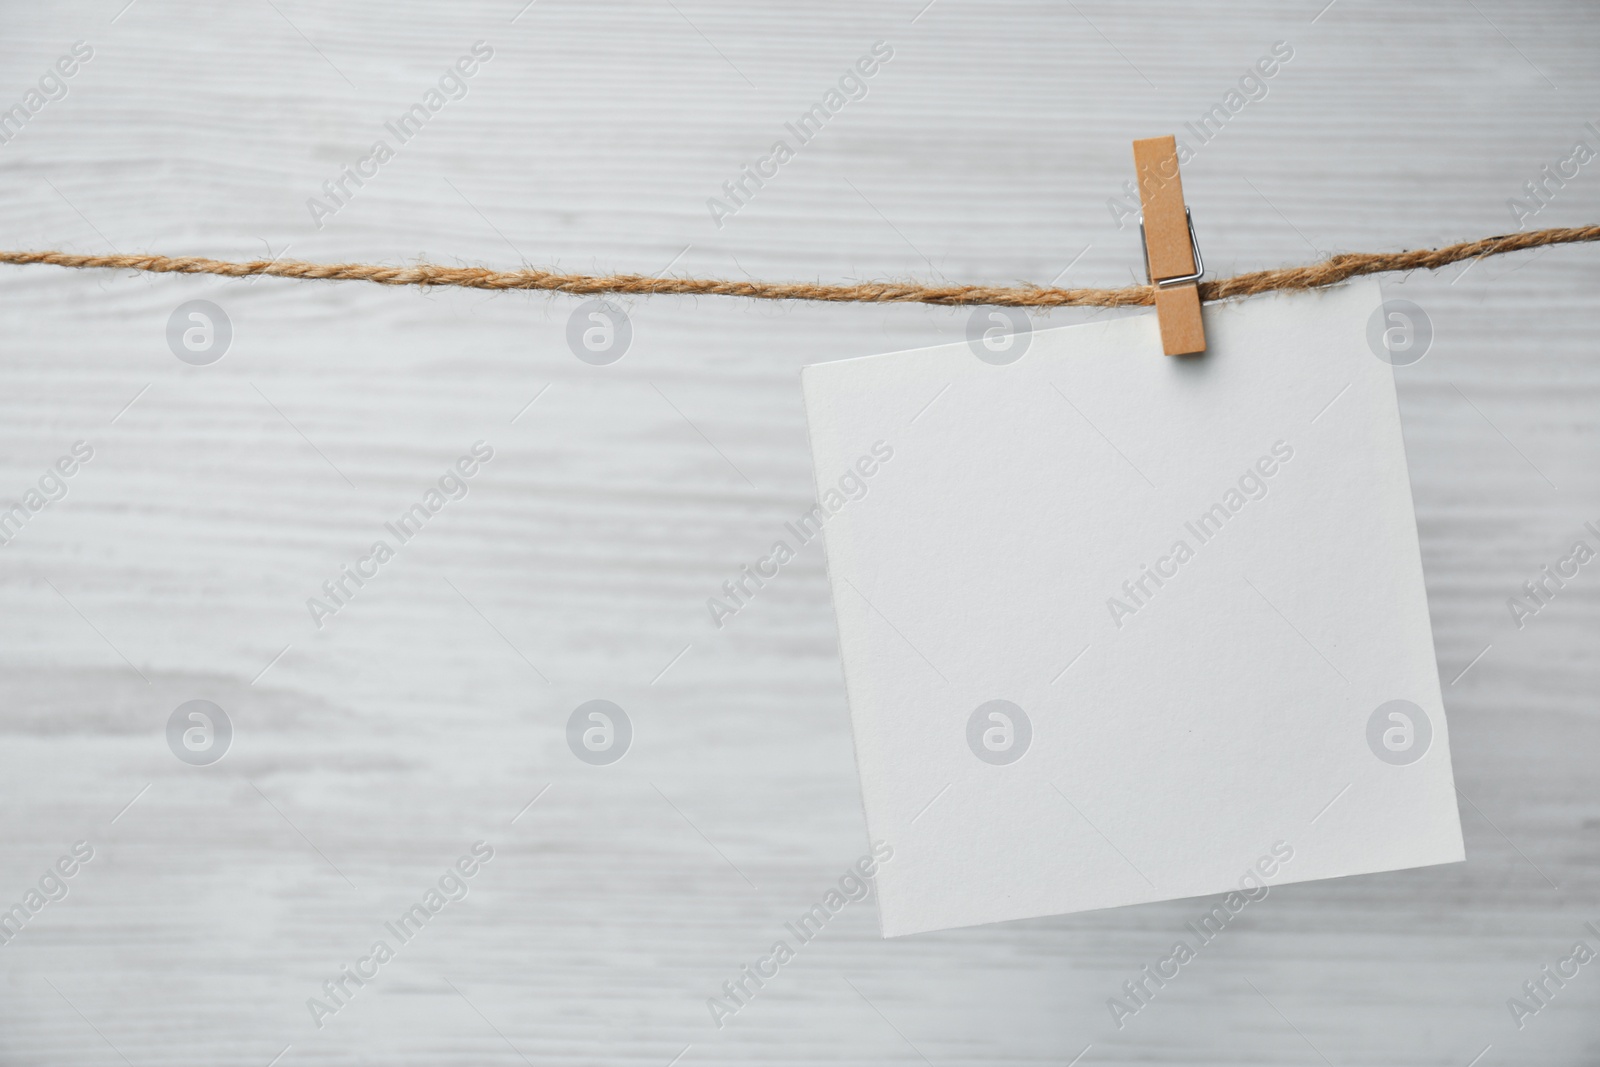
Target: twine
{"type": "Point", "coordinates": [1331, 271]}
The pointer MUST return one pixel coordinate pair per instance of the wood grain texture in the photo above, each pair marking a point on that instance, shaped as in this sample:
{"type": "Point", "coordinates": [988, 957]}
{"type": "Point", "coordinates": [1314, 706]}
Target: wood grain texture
{"type": "Point", "coordinates": [428, 712]}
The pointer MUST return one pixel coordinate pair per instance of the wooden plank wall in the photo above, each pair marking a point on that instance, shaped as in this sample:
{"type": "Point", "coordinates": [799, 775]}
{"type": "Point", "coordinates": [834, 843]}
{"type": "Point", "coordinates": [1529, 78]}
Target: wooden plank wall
{"type": "Point", "coordinates": [425, 715]}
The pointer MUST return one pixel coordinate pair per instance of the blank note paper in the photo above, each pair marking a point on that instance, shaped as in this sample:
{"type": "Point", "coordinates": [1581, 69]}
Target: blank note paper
{"type": "Point", "coordinates": [1118, 627]}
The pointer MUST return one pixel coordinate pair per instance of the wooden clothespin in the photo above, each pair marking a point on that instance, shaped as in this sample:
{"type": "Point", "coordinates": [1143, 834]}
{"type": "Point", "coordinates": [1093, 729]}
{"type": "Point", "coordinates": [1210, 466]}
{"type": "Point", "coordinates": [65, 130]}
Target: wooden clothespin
{"type": "Point", "coordinates": [1172, 257]}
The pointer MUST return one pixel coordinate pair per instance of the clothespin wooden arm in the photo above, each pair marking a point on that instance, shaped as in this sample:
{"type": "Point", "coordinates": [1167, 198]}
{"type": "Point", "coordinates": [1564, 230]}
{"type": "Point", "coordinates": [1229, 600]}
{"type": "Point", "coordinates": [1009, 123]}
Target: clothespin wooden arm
{"type": "Point", "coordinates": [1172, 257]}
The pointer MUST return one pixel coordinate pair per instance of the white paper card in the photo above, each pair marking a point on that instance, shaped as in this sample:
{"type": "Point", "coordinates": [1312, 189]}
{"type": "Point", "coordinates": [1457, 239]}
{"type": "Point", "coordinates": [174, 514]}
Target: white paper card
{"type": "Point", "coordinates": [1192, 585]}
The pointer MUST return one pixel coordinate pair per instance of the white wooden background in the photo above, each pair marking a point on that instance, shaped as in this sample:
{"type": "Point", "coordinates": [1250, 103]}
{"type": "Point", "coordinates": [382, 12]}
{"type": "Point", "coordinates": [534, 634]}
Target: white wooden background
{"type": "Point", "coordinates": [371, 754]}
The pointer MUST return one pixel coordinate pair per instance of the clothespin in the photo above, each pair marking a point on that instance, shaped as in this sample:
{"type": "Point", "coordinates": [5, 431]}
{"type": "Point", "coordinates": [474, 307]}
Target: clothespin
{"type": "Point", "coordinates": [1172, 256]}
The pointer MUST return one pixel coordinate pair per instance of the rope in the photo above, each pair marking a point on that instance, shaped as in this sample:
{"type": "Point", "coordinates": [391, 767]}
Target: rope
{"type": "Point", "coordinates": [1329, 272]}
